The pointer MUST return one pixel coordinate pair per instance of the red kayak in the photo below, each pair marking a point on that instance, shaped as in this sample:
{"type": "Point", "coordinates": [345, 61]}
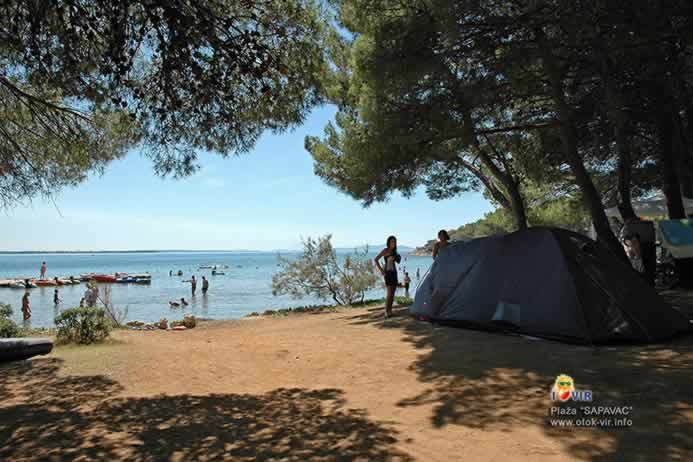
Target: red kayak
{"type": "Point", "coordinates": [104, 278]}
{"type": "Point", "coordinates": [45, 282]}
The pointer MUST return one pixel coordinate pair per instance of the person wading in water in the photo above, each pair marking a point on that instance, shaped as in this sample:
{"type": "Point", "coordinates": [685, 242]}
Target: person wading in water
{"type": "Point", "coordinates": [389, 272]}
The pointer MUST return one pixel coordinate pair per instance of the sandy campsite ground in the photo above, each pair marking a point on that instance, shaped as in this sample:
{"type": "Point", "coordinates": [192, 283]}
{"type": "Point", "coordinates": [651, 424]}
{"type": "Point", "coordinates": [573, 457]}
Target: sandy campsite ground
{"type": "Point", "coordinates": [340, 386]}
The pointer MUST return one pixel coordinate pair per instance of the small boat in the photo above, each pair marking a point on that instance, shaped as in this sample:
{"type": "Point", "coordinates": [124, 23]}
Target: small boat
{"type": "Point", "coordinates": [174, 304]}
{"type": "Point", "coordinates": [126, 280]}
{"type": "Point", "coordinates": [104, 278]}
{"type": "Point", "coordinates": [218, 273]}
{"type": "Point", "coordinates": [141, 276]}
{"type": "Point", "coordinates": [86, 276]}
{"type": "Point", "coordinates": [17, 285]}
{"type": "Point", "coordinates": [206, 266]}
{"type": "Point", "coordinates": [143, 281]}
{"type": "Point", "coordinates": [44, 282]}
{"type": "Point", "coordinates": [6, 282]}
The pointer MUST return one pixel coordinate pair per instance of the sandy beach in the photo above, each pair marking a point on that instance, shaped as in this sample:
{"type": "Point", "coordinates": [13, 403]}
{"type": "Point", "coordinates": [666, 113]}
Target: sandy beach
{"type": "Point", "coordinates": [339, 386]}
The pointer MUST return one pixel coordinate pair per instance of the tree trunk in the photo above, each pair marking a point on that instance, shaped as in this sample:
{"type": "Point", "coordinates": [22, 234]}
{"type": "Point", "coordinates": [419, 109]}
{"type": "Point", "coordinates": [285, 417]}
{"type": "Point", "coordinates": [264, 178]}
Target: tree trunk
{"type": "Point", "coordinates": [517, 205]}
{"type": "Point", "coordinates": [687, 136]}
{"type": "Point", "coordinates": [514, 201]}
{"type": "Point", "coordinates": [620, 120]}
{"type": "Point", "coordinates": [683, 157]}
{"type": "Point", "coordinates": [568, 135]}
{"type": "Point", "coordinates": [667, 162]}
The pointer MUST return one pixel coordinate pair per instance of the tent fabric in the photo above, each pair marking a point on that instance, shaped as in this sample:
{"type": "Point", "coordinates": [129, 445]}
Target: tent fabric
{"type": "Point", "coordinates": [545, 282]}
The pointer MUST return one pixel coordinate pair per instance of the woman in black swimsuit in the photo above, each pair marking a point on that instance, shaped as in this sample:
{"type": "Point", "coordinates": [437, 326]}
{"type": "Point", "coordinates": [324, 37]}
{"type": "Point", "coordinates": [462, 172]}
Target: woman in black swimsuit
{"type": "Point", "coordinates": [391, 257]}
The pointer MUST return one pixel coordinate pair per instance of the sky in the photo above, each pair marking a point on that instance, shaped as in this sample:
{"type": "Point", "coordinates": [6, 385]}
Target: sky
{"type": "Point", "coordinates": [266, 200]}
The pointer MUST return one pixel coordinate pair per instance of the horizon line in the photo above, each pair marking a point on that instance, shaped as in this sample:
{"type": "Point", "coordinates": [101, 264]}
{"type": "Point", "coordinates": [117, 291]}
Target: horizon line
{"type": "Point", "coordinates": [9, 252]}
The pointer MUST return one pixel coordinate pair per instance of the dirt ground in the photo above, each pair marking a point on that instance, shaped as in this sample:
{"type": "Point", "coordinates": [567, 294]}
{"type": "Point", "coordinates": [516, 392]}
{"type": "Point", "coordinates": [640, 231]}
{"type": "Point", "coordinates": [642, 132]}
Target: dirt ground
{"type": "Point", "coordinates": [344, 386]}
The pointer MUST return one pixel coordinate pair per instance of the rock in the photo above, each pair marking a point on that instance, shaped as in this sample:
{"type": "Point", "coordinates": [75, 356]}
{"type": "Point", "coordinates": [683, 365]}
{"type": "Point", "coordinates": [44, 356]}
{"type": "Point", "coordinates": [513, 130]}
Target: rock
{"type": "Point", "coordinates": [162, 324]}
{"type": "Point", "coordinates": [269, 313]}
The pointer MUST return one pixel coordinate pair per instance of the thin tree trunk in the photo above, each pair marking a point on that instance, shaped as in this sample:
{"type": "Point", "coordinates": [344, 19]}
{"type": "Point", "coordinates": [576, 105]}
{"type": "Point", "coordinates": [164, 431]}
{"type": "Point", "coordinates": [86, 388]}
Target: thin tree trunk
{"type": "Point", "coordinates": [620, 120]}
{"type": "Point", "coordinates": [568, 135]}
{"type": "Point", "coordinates": [683, 157]}
{"type": "Point", "coordinates": [687, 136]}
{"type": "Point", "coordinates": [667, 161]}
{"type": "Point", "coordinates": [517, 204]}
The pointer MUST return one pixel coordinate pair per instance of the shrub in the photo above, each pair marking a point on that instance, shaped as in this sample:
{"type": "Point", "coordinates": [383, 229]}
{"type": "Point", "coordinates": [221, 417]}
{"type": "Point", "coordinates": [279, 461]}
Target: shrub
{"type": "Point", "coordinates": [320, 273]}
{"type": "Point", "coordinates": [5, 310]}
{"type": "Point", "coordinates": [83, 325]}
{"type": "Point", "coordinates": [8, 328]}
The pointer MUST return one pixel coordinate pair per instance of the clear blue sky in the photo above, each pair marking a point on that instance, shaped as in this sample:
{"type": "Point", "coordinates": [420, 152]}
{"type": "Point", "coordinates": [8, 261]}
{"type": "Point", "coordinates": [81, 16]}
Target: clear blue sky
{"type": "Point", "coordinates": [268, 199]}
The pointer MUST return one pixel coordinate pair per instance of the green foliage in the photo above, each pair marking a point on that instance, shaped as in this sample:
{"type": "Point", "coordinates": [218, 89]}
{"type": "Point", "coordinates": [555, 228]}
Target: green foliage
{"type": "Point", "coordinates": [5, 310]}
{"type": "Point", "coordinates": [403, 300]}
{"type": "Point", "coordinates": [83, 325]}
{"type": "Point", "coordinates": [8, 328]}
{"type": "Point", "coordinates": [318, 272]}
{"type": "Point", "coordinates": [185, 77]}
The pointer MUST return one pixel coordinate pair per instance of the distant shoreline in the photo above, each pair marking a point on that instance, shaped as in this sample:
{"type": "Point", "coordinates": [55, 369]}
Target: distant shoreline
{"type": "Point", "coordinates": [94, 252]}
{"type": "Point", "coordinates": [57, 252]}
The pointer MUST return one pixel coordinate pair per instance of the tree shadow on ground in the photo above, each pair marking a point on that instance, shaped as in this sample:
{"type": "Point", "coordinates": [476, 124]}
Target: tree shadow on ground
{"type": "Point", "coordinates": [46, 416]}
{"type": "Point", "coordinates": [498, 382]}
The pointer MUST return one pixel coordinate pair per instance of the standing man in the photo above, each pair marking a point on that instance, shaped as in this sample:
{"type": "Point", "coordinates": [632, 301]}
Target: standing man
{"type": "Point", "coordinates": [26, 309]}
{"type": "Point", "coordinates": [56, 298]}
{"type": "Point", "coordinates": [205, 285]}
{"type": "Point", "coordinates": [193, 285]}
{"type": "Point", "coordinates": [43, 270]}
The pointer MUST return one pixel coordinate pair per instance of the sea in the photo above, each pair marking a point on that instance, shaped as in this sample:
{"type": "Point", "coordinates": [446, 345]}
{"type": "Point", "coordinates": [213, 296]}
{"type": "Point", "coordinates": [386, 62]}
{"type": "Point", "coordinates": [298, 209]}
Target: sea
{"type": "Point", "coordinates": [245, 287]}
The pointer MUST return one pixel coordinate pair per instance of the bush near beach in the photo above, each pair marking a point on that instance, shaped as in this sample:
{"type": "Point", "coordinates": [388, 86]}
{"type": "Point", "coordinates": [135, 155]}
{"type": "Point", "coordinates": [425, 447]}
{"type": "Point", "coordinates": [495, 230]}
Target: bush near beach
{"type": "Point", "coordinates": [318, 272]}
{"type": "Point", "coordinates": [83, 325]}
{"type": "Point", "coordinates": [8, 328]}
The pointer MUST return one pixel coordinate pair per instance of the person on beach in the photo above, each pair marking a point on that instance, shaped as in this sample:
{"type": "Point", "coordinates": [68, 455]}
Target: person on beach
{"type": "Point", "coordinates": [407, 281]}
{"type": "Point", "coordinates": [26, 308]}
{"type": "Point", "coordinates": [418, 274]}
{"type": "Point", "coordinates": [631, 243]}
{"type": "Point", "coordinates": [43, 270]}
{"type": "Point", "coordinates": [193, 285]}
{"type": "Point", "coordinates": [443, 239]}
{"type": "Point", "coordinates": [56, 298]}
{"type": "Point", "coordinates": [170, 273]}
{"type": "Point", "coordinates": [205, 285]}
{"type": "Point", "coordinates": [389, 272]}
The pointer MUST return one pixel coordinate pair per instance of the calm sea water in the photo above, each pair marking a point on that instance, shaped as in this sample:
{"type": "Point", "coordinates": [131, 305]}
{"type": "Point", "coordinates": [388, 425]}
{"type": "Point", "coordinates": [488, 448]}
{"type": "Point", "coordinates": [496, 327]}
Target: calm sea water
{"type": "Point", "coordinates": [246, 286]}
